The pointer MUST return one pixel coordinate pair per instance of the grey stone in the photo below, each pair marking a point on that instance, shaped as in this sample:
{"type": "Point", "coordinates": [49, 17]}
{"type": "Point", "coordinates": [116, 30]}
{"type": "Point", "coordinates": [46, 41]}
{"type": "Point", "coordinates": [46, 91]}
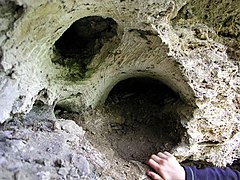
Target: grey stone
{"type": "Point", "coordinates": [82, 165]}
{"type": "Point", "coordinates": [63, 171]}
{"type": "Point", "coordinates": [69, 126]}
{"type": "Point", "coordinates": [44, 175]}
{"type": "Point", "coordinates": [8, 93]}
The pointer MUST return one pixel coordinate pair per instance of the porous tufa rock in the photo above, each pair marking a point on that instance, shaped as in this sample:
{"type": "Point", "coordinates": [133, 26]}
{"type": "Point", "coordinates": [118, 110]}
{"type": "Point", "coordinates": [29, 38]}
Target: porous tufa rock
{"type": "Point", "coordinates": [149, 43]}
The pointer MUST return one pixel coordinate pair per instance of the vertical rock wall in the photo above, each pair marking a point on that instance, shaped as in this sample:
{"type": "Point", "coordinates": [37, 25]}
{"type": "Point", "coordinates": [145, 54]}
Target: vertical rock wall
{"type": "Point", "coordinates": [154, 39]}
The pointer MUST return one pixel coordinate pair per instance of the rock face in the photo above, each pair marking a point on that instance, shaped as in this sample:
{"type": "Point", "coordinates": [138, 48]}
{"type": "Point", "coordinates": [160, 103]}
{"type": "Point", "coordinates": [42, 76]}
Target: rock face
{"type": "Point", "coordinates": [69, 55]}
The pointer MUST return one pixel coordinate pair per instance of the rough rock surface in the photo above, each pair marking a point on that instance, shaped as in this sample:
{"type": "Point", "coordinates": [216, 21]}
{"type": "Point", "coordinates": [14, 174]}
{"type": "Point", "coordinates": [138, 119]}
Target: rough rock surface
{"type": "Point", "coordinates": [190, 46]}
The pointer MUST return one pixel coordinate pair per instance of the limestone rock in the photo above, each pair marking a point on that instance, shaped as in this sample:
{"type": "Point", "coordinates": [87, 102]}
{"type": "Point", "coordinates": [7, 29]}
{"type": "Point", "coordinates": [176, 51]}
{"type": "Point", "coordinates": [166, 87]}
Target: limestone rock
{"type": "Point", "coordinates": [190, 46]}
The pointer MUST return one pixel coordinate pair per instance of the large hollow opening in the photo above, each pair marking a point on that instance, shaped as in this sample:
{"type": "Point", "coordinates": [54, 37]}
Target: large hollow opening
{"type": "Point", "coordinates": [82, 41]}
{"type": "Point", "coordinates": [140, 116]}
{"type": "Point", "coordinates": [148, 118]}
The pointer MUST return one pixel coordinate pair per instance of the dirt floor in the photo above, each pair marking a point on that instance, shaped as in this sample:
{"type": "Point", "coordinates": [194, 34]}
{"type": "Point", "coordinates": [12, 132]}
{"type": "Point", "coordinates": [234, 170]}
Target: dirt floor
{"type": "Point", "coordinates": [138, 118]}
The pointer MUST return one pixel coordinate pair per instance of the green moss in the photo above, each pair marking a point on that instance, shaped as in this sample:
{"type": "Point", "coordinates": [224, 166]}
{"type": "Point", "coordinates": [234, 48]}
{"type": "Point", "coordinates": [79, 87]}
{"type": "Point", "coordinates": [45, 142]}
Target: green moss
{"type": "Point", "coordinates": [71, 71]}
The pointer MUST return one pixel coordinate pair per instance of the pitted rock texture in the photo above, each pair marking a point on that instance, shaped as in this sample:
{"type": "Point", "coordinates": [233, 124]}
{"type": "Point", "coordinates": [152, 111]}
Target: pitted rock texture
{"type": "Point", "coordinates": [57, 150]}
{"type": "Point", "coordinates": [190, 46]}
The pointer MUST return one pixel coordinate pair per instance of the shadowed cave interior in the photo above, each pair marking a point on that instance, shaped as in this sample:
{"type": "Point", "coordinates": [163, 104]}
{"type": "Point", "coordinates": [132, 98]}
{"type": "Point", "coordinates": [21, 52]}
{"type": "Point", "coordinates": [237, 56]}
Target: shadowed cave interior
{"type": "Point", "coordinates": [150, 122]}
{"type": "Point", "coordinates": [85, 38]}
{"type": "Point", "coordinates": [139, 117]}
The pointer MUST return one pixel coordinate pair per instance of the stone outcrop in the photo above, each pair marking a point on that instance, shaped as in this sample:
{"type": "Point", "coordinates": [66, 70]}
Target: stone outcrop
{"type": "Point", "coordinates": [71, 54]}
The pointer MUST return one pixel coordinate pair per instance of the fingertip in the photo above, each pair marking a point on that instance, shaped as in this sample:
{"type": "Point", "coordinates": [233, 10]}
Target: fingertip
{"type": "Point", "coordinates": [161, 155]}
{"type": "Point", "coordinates": [149, 162]}
{"type": "Point", "coordinates": [148, 173]}
{"type": "Point", "coordinates": [154, 175]}
{"type": "Point", "coordinates": [167, 153]}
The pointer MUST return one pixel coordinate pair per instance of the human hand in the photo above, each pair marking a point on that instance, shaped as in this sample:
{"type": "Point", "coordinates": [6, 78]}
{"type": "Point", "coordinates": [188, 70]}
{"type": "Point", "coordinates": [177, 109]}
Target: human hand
{"type": "Point", "coordinates": [166, 167]}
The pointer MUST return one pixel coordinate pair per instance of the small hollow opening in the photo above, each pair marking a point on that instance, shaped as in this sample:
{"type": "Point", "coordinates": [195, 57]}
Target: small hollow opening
{"type": "Point", "coordinates": [83, 40]}
{"type": "Point", "coordinates": [10, 7]}
{"type": "Point", "coordinates": [147, 119]}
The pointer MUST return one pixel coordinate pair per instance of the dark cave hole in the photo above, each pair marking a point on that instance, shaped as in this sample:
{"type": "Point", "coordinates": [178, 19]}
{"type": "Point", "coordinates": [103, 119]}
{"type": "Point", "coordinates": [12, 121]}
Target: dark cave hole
{"type": "Point", "coordinates": [150, 119]}
{"type": "Point", "coordinates": [83, 40]}
{"type": "Point", "coordinates": [139, 117]}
